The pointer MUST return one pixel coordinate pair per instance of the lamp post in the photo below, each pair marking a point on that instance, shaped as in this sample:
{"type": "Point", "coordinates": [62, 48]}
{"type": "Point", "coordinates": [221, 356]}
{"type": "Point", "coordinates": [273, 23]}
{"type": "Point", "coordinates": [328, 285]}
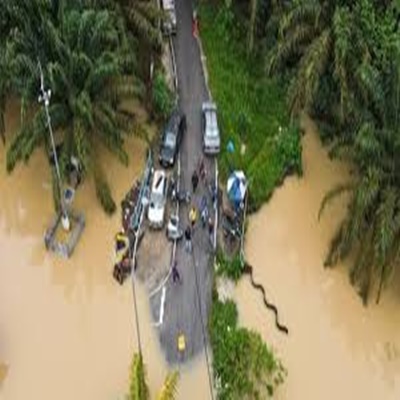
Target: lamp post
{"type": "Point", "coordinates": [44, 97]}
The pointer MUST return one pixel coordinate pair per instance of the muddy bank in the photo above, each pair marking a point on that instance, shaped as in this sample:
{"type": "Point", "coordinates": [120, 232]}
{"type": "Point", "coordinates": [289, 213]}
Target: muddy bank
{"type": "Point", "coordinates": [66, 328]}
{"type": "Point", "coordinates": [336, 348]}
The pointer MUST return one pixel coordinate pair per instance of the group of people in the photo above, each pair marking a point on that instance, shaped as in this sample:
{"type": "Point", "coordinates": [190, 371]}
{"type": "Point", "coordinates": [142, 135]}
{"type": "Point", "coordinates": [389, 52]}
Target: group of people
{"type": "Point", "coordinates": [195, 213]}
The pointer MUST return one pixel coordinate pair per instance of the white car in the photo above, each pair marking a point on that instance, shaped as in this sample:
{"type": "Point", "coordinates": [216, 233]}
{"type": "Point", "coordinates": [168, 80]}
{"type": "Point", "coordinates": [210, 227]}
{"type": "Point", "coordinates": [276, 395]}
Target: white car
{"type": "Point", "coordinates": [210, 130]}
{"type": "Point", "coordinates": [169, 23]}
{"type": "Point", "coordinates": [158, 199]}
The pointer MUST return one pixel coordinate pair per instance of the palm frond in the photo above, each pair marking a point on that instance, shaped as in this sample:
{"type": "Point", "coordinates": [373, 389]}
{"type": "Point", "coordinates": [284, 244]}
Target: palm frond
{"type": "Point", "coordinates": [311, 69]}
{"type": "Point", "coordinates": [291, 46]}
{"type": "Point", "coordinates": [81, 144]}
{"type": "Point", "coordinates": [304, 12]}
{"type": "Point", "coordinates": [168, 391]}
{"type": "Point", "coordinates": [385, 233]}
{"type": "Point", "coordinates": [138, 389]}
{"type": "Point", "coordinates": [138, 22]}
{"type": "Point", "coordinates": [343, 47]}
{"type": "Point", "coordinates": [333, 255]}
{"type": "Point", "coordinates": [369, 82]}
{"type": "Point", "coordinates": [24, 143]}
{"type": "Point", "coordinates": [333, 193]}
{"type": "Point", "coordinates": [109, 133]}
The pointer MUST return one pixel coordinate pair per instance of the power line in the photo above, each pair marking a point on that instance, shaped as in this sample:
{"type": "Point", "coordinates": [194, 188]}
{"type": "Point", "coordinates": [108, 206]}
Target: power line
{"type": "Point", "coordinates": [210, 381]}
{"type": "Point", "coordinates": [133, 264]}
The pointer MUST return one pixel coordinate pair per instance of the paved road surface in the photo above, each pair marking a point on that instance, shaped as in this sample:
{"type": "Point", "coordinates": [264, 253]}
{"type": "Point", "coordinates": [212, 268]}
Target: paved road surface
{"type": "Point", "coordinates": [181, 311]}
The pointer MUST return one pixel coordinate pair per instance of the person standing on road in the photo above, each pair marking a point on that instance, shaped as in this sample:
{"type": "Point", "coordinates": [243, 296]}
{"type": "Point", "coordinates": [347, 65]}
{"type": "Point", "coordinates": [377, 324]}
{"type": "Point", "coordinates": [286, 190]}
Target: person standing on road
{"type": "Point", "coordinates": [195, 181]}
{"type": "Point", "coordinates": [211, 229]}
{"type": "Point", "coordinates": [193, 216]}
{"type": "Point", "coordinates": [204, 216]}
{"type": "Point", "coordinates": [188, 239]}
{"type": "Point", "coordinates": [202, 170]}
{"type": "Point", "coordinates": [204, 211]}
{"type": "Point", "coordinates": [175, 273]}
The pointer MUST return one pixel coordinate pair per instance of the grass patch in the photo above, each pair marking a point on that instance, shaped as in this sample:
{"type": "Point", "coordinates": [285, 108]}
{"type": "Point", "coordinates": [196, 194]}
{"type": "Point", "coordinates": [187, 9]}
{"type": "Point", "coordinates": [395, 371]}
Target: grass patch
{"type": "Point", "coordinates": [231, 269]}
{"type": "Point", "coordinates": [252, 108]}
{"type": "Point", "coordinates": [163, 99]}
{"type": "Point", "coordinates": [243, 365]}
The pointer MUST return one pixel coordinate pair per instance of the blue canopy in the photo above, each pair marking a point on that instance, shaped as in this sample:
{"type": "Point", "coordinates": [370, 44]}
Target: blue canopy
{"type": "Point", "coordinates": [236, 188]}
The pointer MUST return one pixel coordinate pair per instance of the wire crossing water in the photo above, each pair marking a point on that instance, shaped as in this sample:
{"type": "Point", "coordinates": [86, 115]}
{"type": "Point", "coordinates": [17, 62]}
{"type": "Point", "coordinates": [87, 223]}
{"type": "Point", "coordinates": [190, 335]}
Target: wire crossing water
{"type": "Point", "coordinates": [248, 269]}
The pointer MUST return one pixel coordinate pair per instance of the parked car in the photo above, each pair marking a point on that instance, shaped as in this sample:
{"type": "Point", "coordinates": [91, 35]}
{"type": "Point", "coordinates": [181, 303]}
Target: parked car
{"type": "Point", "coordinates": [171, 139]}
{"type": "Point", "coordinates": [169, 24]}
{"type": "Point", "coordinates": [158, 199]}
{"type": "Point", "coordinates": [174, 231]}
{"type": "Point", "coordinates": [211, 137]}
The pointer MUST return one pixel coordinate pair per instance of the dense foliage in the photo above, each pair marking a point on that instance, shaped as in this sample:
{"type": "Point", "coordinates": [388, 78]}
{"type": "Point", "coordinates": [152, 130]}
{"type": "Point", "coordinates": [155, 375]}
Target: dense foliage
{"type": "Point", "coordinates": [231, 269]}
{"type": "Point", "coordinates": [88, 52]}
{"type": "Point", "coordinates": [344, 57]}
{"type": "Point", "coordinates": [244, 367]}
{"type": "Point", "coordinates": [162, 98]}
{"type": "Point", "coordinates": [252, 111]}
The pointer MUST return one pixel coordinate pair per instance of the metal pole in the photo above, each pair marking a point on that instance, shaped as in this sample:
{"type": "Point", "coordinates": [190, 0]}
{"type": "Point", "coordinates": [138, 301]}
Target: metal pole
{"type": "Point", "coordinates": [45, 98]}
{"type": "Point", "coordinates": [136, 312]}
{"type": "Point", "coordinates": [133, 252]}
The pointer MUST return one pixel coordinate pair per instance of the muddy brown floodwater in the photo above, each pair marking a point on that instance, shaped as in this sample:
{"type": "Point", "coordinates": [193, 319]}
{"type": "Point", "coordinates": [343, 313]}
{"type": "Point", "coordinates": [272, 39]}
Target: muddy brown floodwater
{"type": "Point", "coordinates": [336, 348]}
{"type": "Point", "coordinates": [66, 328]}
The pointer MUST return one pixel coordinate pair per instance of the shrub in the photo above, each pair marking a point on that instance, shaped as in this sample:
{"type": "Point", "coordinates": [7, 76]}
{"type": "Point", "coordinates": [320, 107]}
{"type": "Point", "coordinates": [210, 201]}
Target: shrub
{"type": "Point", "coordinates": [162, 98]}
{"type": "Point", "coordinates": [243, 365]}
{"type": "Point", "coordinates": [232, 269]}
{"type": "Point", "coordinates": [288, 150]}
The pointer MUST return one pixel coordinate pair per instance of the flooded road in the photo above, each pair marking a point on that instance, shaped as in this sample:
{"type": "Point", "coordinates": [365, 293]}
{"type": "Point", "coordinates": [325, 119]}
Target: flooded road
{"type": "Point", "coordinates": [336, 348]}
{"type": "Point", "coordinates": [66, 328]}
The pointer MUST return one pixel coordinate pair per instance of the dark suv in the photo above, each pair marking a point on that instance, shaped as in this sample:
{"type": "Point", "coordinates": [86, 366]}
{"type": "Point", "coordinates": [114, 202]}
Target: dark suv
{"type": "Point", "coordinates": [171, 138]}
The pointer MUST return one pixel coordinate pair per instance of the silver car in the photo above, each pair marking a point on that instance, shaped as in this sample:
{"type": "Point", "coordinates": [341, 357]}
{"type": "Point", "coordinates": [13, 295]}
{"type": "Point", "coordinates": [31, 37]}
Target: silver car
{"type": "Point", "coordinates": [211, 137]}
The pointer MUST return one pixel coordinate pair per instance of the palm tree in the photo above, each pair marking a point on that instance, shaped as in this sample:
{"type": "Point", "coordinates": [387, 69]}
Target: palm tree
{"type": "Point", "coordinates": [90, 66]}
{"type": "Point", "coordinates": [143, 18]}
{"type": "Point", "coordinates": [372, 224]}
{"type": "Point", "coordinates": [138, 389]}
{"type": "Point", "coordinates": [261, 11]}
{"type": "Point", "coordinates": [318, 38]}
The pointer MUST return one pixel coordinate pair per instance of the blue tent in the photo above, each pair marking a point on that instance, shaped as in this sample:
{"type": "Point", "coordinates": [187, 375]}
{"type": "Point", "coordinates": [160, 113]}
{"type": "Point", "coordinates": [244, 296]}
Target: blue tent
{"type": "Point", "coordinates": [236, 188]}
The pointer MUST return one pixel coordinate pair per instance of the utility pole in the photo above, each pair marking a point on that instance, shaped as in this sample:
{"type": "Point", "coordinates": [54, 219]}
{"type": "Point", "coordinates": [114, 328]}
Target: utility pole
{"type": "Point", "coordinates": [44, 97]}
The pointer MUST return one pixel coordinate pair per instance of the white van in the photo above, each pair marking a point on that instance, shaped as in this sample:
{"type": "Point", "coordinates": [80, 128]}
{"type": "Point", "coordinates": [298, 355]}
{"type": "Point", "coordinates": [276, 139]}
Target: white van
{"type": "Point", "coordinates": [169, 25]}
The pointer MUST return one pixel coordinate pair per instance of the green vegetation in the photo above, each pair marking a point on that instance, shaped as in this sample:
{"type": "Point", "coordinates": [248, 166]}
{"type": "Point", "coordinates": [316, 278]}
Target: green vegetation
{"type": "Point", "coordinates": [163, 98]}
{"type": "Point", "coordinates": [138, 389]}
{"type": "Point", "coordinates": [251, 106]}
{"type": "Point", "coordinates": [344, 59]}
{"type": "Point", "coordinates": [231, 269]}
{"type": "Point", "coordinates": [244, 367]}
{"type": "Point", "coordinates": [252, 112]}
{"type": "Point", "coordinates": [89, 52]}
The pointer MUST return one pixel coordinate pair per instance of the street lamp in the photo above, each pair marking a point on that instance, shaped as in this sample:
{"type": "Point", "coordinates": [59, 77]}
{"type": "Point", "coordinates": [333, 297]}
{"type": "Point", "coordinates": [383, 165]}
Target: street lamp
{"type": "Point", "coordinates": [44, 97]}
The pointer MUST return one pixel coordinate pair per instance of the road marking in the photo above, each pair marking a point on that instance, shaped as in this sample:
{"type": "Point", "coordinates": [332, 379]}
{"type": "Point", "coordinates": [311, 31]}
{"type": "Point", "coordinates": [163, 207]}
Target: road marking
{"type": "Point", "coordinates": [162, 307]}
